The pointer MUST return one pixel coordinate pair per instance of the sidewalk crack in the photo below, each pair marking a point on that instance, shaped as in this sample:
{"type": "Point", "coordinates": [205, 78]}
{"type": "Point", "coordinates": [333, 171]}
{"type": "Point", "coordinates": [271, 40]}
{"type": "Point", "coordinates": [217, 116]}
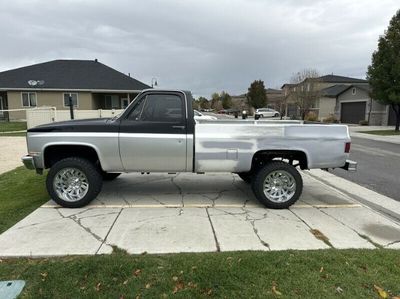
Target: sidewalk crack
{"type": "Point", "coordinates": [179, 189]}
{"type": "Point", "coordinates": [255, 230]}
{"type": "Point", "coordinates": [344, 224]}
{"type": "Point", "coordinates": [391, 243]}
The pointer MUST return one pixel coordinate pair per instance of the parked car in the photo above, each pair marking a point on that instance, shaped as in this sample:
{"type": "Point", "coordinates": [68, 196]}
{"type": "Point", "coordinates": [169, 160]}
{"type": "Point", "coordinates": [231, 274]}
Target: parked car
{"type": "Point", "coordinates": [267, 112]}
{"type": "Point", "coordinates": [157, 133]}
{"type": "Point", "coordinates": [199, 115]}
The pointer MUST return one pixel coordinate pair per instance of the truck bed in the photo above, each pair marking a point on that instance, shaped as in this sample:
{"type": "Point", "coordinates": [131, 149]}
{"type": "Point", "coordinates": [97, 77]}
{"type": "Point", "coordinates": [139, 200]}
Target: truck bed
{"type": "Point", "coordinates": [229, 145]}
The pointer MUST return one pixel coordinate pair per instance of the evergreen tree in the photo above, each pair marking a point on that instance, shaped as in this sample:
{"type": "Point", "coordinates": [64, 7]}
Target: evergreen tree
{"type": "Point", "coordinates": [384, 72]}
{"type": "Point", "coordinates": [257, 94]}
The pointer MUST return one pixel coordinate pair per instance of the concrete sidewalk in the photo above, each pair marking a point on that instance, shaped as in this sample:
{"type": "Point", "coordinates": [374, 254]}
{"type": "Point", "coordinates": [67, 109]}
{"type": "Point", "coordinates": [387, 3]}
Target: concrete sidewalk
{"type": "Point", "coordinates": [356, 131]}
{"type": "Point", "coordinates": [162, 213]}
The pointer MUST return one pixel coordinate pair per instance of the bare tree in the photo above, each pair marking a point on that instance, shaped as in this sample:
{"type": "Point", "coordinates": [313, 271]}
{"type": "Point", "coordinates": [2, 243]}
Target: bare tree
{"type": "Point", "coordinates": [305, 90]}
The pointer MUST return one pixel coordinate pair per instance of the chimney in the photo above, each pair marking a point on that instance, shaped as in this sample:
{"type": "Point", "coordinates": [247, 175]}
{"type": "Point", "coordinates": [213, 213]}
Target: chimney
{"type": "Point", "coordinates": [95, 60]}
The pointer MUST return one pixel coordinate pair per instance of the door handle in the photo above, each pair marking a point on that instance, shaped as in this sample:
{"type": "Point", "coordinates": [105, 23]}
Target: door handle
{"type": "Point", "coordinates": [178, 127]}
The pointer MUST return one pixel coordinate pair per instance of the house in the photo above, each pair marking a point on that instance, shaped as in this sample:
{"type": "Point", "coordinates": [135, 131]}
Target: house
{"type": "Point", "coordinates": [90, 83]}
{"type": "Point", "coordinates": [275, 99]}
{"type": "Point", "coordinates": [347, 99]}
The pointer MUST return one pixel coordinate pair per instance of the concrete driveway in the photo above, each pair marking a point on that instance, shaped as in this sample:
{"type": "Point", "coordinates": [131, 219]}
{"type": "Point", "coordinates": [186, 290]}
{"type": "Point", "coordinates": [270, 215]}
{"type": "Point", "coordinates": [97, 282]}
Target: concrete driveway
{"type": "Point", "coordinates": [12, 149]}
{"type": "Point", "coordinates": [162, 213]}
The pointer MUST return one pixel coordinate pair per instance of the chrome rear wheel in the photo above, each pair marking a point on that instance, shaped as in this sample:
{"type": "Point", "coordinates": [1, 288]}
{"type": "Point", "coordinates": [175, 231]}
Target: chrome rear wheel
{"type": "Point", "coordinates": [279, 186]}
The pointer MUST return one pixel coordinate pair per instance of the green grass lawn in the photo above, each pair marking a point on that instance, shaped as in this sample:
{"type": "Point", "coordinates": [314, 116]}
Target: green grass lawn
{"type": "Point", "coordinates": [280, 274]}
{"type": "Point", "coordinates": [381, 132]}
{"type": "Point", "coordinates": [19, 134]}
{"type": "Point", "coordinates": [21, 192]}
{"type": "Point", "coordinates": [12, 126]}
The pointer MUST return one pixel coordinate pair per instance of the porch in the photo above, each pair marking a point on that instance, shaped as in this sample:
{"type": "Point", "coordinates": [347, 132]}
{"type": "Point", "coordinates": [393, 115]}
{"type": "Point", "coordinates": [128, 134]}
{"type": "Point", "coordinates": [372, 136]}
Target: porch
{"type": "Point", "coordinates": [112, 100]}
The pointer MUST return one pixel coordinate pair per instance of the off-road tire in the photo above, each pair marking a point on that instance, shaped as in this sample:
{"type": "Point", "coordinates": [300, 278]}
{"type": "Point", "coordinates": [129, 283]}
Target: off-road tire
{"type": "Point", "coordinates": [91, 172]}
{"type": "Point", "coordinates": [260, 176]}
{"type": "Point", "coordinates": [246, 176]}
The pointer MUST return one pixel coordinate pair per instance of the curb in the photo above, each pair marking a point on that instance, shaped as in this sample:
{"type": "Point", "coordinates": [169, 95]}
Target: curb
{"type": "Point", "coordinates": [378, 202]}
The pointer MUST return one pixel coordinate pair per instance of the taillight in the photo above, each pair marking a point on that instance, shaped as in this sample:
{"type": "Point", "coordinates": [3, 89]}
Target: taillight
{"type": "Point", "coordinates": [347, 147]}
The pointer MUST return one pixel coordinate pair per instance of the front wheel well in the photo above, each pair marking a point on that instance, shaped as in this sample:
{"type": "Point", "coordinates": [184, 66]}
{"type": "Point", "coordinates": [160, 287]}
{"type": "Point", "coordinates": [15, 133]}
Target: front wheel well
{"type": "Point", "coordinates": [261, 158]}
{"type": "Point", "coordinates": [54, 153]}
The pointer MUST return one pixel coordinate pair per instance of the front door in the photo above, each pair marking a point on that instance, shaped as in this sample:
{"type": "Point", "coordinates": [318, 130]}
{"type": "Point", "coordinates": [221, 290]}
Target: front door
{"type": "Point", "coordinates": [153, 134]}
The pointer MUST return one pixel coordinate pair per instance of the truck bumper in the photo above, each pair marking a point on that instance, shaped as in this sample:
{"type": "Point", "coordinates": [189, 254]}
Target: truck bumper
{"type": "Point", "coordinates": [350, 166]}
{"type": "Point", "coordinates": [28, 162]}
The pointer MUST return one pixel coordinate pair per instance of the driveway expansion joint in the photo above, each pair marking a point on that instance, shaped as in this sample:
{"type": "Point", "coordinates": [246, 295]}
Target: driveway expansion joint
{"type": "Point", "coordinates": [318, 234]}
{"type": "Point", "coordinates": [213, 231]}
{"type": "Point", "coordinates": [108, 232]}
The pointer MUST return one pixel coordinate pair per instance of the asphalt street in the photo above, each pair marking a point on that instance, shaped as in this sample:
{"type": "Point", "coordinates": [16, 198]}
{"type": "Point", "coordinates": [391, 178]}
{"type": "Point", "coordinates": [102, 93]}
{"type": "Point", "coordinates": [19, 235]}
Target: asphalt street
{"type": "Point", "coordinates": [378, 166]}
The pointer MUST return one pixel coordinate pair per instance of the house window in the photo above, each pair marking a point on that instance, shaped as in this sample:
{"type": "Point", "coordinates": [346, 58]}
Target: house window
{"type": "Point", "coordinates": [74, 97]}
{"type": "Point", "coordinates": [112, 102]}
{"type": "Point", "coordinates": [29, 99]}
{"type": "Point", "coordinates": [354, 91]}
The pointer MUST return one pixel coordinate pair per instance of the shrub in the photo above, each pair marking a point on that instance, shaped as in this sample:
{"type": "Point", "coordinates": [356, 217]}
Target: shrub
{"type": "Point", "coordinates": [311, 116]}
{"type": "Point", "coordinates": [331, 119]}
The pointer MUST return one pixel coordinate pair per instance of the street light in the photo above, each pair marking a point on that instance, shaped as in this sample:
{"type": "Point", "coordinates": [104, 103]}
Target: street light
{"type": "Point", "coordinates": [153, 82]}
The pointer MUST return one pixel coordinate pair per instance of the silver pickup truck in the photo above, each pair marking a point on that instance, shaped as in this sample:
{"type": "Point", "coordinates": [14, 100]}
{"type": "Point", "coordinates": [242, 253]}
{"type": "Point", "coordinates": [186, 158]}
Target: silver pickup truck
{"type": "Point", "coordinates": [157, 133]}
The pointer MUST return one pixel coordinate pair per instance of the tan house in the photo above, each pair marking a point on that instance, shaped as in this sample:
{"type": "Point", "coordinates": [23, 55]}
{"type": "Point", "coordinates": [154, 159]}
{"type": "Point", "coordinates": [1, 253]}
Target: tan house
{"type": "Point", "coordinates": [89, 83]}
{"type": "Point", "coordinates": [347, 99]}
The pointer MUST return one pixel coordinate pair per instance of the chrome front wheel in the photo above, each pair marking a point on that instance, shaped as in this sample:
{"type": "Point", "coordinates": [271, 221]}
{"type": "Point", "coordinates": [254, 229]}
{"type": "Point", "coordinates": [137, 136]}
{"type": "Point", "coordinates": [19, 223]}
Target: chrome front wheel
{"type": "Point", "coordinates": [71, 184]}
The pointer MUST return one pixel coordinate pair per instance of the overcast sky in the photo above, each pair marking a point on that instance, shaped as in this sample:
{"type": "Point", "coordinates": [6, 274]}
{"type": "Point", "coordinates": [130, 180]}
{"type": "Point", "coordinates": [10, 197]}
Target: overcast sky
{"type": "Point", "coordinates": [204, 45]}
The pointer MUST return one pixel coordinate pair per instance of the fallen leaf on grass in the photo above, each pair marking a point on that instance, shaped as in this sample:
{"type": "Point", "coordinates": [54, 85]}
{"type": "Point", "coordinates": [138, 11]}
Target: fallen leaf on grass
{"type": "Point", "coordinates": [275, 291]}
{"type": "Point", "coordinates": [44, 275]}
{"type": "Point", "coordinates": [125, 282]}
{"type": "Point", "coordinates": [137, 272]}
{"type": "Point", "coordinates": [175, 278]}
{"type": "Point", "coordinates": [192, 285]}
{"type": "Point", "coordinates": [179, 286]}
{"type": "Point", "coordinates": [382, 293]}
{"type": "Point", "coordinates": [322, 269]}
{"type": "Point", "coordinates": [148, 286]}
{"type": "Point", "coordinates": [97, 288]}
{"type": "Point", "coordinates": [339, 290]}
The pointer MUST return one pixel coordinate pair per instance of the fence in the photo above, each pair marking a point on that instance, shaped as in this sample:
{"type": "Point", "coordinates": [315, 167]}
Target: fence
{"type": "Point", "coordinates": [35, 117]}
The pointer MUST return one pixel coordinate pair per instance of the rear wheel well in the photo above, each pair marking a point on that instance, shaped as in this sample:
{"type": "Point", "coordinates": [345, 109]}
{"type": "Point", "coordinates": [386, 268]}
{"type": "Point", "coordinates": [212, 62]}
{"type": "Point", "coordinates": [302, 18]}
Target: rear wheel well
{"type": "Point", "coordinates": [261, 158]}
{"type": "Point", "coordinates": [55, 153]}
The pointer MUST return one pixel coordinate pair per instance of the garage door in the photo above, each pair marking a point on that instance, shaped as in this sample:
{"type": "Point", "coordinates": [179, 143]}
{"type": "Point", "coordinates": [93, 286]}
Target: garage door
{"type": "Point", "coordinates": [352, 113]}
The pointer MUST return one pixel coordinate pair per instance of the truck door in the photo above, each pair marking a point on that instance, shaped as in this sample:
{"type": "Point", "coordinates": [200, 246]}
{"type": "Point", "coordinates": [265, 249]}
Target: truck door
{"type": "Point", "coordinates": [153, 135]}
